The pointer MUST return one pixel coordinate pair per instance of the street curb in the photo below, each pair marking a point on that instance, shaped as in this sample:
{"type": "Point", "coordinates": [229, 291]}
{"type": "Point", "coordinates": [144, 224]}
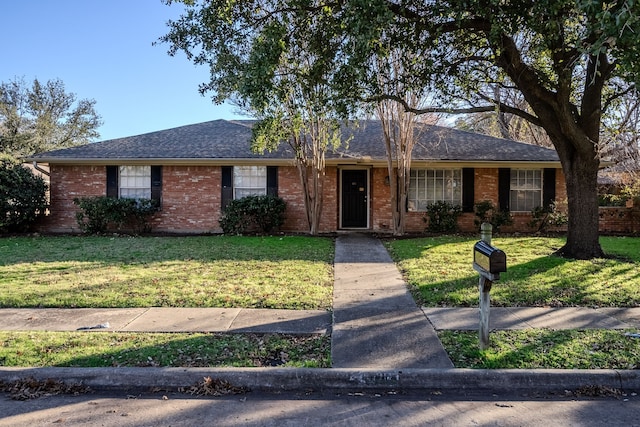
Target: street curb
{"type": "Point", "coordinates": [327, 379]}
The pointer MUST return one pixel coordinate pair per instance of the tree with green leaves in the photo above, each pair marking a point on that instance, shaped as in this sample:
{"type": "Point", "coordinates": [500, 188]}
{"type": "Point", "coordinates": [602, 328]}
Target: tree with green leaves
{"type": "Point", "coordinates": [23, 196]}
{"type": "Point", "coordinates": [274, 72]}
{"type": "Point", "coordinates": [570, 59]}
{"type": "Point", "coordinates": [43, 117]}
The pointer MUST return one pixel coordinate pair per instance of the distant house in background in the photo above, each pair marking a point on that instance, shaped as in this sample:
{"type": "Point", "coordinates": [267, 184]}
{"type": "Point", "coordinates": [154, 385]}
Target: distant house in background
{"type": "Point", "coordinates": [194, 170]}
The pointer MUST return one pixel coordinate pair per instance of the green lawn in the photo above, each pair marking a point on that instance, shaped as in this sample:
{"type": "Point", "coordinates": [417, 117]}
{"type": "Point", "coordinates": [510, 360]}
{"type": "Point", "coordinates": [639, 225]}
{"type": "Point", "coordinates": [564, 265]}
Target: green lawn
{"type": "Point", "coordinates": [439, 271]}
{"type": "Point", "coordinates": [292, 272]}
{"type": "Point", "coordinates": [544, 349]}
{"type": "Point", "coordinates": [106, 349]}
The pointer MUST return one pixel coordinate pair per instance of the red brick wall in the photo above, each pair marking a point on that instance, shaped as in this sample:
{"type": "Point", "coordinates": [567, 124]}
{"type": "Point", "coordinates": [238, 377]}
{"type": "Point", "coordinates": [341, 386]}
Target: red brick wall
{"type": "Point", "coordinates": [620, 220]}
{"type": "Point", "coordinates": [486, 188]}
{"type": "Point", "coordinates": [67, 183]}
{"type": "Point", "coordinates": [380, 204]}
{"type": "Point", "coordinates": [290, 190]}
{"type": "Point", "coordinates": [191, 201]}
{"type": "Point", "coordinates": [330, 200]}
{"type": "Point", "coordinates": [190, 198]}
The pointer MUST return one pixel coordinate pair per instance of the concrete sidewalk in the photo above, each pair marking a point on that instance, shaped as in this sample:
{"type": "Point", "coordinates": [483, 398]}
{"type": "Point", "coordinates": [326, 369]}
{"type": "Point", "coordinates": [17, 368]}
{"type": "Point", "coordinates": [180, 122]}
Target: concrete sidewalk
{"type": "Point", "coordinates": [461, 319]}
{"type": "Point", "coordinates": [163, 319]}
{"type": "Point", "coordinates": [158, 319]}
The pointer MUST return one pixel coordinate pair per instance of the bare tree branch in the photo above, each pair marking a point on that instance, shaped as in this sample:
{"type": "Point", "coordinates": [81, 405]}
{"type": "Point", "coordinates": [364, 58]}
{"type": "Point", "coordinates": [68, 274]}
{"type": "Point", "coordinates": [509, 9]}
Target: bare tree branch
{"type": "Point", "coordinates": [450, 110]}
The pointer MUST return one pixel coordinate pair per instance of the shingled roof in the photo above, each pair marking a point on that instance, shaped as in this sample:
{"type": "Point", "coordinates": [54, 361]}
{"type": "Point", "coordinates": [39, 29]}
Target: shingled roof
{"type": "Point", "coordinates": [220, 140]}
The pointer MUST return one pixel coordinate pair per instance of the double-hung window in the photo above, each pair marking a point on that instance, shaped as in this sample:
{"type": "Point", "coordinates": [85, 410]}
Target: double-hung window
{"type": "Point", "coordinates": [135, 182]}
{"type": "Point", "coordinates": [249, 181]}
{"type": "Point", "coordinates": [525, 190]}
{"type": "Point", "coordinates": [428, 186]}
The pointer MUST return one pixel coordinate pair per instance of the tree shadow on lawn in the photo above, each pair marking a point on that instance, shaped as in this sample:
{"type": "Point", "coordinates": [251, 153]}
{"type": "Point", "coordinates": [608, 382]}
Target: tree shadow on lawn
{"type": "Point", "coordinates": [545, 281]}
{"type": "Point", "coordinates": [542, 349]}
{"type": "Point", "coordinates": [210, 350]}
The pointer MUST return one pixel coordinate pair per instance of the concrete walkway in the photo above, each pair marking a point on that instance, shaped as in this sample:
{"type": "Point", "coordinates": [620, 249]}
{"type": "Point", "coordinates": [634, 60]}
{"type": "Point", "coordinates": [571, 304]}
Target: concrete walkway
{"type": "Point", "coordinates": [376, 323]}
{"type": "Point", "coordinates": [535, 317]}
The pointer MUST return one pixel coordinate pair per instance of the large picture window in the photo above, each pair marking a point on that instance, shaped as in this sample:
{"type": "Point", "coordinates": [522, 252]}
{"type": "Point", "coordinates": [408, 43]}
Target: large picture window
{"type": "Point", "coordinates": [135, 182]}
{"type": "Point", "coordinates": [525, 190]}
{"type": "Point", "coordinates": [249, 181]}
{"type": "Point", "coordinates": [432, 185]}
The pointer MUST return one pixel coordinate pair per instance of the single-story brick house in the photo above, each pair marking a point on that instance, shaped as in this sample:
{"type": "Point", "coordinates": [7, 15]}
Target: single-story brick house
{"type": "Point", "coordinates": [192, 170]}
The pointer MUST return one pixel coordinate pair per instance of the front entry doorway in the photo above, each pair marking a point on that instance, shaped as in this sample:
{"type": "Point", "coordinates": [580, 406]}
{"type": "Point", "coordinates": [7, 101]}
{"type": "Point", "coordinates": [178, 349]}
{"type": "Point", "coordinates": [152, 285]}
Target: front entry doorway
{"type": "Point", "coordinates": [354, 198]}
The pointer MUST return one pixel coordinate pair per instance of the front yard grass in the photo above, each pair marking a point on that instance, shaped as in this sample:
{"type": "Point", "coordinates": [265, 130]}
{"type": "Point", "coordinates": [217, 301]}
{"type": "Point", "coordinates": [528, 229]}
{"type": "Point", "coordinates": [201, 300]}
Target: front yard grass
{"type": "Point", "coordinates": [106, 349]}
{"type": "Point", "coordinates": [544, 349]}
{"type": "Point", "coordinates": [440, 273]}
{"type": "Point", "coordinates": [289, 272]}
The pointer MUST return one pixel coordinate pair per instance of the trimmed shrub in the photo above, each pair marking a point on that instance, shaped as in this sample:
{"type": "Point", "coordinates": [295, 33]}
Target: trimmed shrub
{"type": "Point", "coordinates": [253, 214]}
{"type": "Point", "coordinates": [555, 215]}
{"type": "Point", "coordinates": [442, 217]}
{"type": "Point", "coordinates": [486, 212]}
{"type": "Point", "coordinates": [100, 214]}
{"type": "Point", "coordinates": [23, 197]}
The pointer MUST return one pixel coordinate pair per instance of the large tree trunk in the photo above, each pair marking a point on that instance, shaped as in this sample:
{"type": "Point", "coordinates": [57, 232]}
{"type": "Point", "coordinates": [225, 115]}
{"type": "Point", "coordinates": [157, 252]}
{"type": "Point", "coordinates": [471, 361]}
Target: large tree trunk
{"type": "Point", "coordinates": [581, 175]}
{"type": "Point", "coordinates": [574, 131]}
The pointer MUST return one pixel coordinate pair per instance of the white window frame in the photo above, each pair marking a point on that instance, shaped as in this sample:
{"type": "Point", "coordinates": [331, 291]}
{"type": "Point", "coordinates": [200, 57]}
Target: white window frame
{"type": "Point", "coordinates": [134, 182]}
{"type": "Point", "coordinates": [525, 189]}
{"type": "Point", "coordinates": [249, 181]}
{"type": "Point", "coordinates": [427, 186]}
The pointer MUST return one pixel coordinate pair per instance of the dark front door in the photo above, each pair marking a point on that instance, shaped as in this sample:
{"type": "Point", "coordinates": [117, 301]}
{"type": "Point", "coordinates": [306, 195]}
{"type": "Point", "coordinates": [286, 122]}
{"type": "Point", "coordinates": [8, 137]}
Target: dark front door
{"type": "Point", "coordinates": [354, 198]}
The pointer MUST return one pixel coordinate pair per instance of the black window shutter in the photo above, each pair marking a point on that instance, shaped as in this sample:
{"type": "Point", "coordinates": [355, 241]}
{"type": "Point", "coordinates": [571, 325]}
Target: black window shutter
{"type": "Point", "coordinates": [156, 183]}
{"type": "Point", "coordinates": [468, 192]}
{"type": "Point", "coordinates": [548, 187]}
{"type": "Point", "coordinates": [272, 181]}
{"type": "Point", "coordinates": [504, 187]}
{"type": "Point", "coordinates": [227, 186]}
{"type": "Point", "coordinates": [112, 181]}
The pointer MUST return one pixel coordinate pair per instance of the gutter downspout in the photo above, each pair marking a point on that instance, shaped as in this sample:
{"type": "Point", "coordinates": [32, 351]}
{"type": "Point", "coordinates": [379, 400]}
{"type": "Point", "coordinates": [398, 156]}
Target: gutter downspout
{"type": "Point", "coordinates": [39, 169]}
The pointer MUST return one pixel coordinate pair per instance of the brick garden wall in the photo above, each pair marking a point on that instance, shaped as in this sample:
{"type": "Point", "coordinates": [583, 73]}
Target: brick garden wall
{"type": "Point", "coordinates": [620, 220]}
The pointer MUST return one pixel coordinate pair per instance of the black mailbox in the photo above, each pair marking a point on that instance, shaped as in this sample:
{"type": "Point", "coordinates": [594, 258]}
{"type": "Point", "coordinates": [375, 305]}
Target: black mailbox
{"type": "Point", "coordinates": [489, 259]}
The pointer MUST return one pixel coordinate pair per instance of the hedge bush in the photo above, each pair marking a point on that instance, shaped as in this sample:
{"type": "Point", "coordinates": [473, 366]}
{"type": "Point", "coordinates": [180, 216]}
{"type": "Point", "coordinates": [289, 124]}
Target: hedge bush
{"type": "Point", "coordinates": [253, 214]}
{"type": "Point", "coordinates": [442, 217]}
{"type": "Point", "coordinates": [555, 215]}
{"type": "Point", "coordinates": [486, 212]}
{"type": "Point", "coordinates": [100, 214]}
{"type": "Point", "coordinates": [23, 197]}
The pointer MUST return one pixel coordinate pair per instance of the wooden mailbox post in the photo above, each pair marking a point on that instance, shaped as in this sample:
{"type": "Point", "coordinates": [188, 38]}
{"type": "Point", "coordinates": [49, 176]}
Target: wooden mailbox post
{"type": "Point", "coordinates": [489, 262]}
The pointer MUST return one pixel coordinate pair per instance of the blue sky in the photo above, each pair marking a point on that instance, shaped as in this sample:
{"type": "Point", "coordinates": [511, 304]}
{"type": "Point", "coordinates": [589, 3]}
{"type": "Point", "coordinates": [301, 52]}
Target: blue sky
{"type": "Point", "coordinates": [102, 50]}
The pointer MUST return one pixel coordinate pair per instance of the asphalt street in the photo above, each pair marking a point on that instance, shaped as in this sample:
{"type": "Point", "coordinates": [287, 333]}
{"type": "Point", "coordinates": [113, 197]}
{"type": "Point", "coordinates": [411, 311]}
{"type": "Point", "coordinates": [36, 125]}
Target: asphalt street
{"type": "Point", "coordinates": [322, 409]}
